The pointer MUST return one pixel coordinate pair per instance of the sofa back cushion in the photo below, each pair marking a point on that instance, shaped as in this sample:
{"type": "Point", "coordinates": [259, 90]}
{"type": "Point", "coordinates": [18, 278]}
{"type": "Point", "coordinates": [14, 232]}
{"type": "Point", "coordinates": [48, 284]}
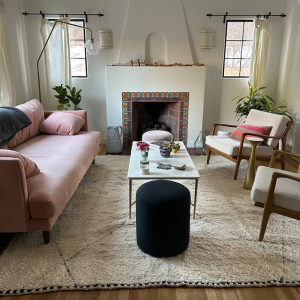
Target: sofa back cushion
{"type": "Point", "coordinates": [35, 112]}
{"type": "Point", "coordinates": [262, 118]}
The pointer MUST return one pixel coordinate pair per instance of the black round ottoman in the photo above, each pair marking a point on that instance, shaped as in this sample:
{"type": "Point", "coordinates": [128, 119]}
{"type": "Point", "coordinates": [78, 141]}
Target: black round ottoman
{"type": "Point", "coordinates": [163, 218]}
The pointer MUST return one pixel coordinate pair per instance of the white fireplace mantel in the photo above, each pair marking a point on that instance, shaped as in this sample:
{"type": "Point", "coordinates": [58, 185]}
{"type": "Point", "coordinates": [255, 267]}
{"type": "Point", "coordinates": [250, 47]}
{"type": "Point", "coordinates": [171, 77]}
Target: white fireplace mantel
{"type": "Point", "coordinates": [156, 79]}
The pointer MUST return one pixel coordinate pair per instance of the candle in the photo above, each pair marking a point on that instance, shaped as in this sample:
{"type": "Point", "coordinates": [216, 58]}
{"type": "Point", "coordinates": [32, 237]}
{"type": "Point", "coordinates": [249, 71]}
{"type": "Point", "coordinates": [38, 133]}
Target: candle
{"type": "Point", "coordinates": [144, 167]}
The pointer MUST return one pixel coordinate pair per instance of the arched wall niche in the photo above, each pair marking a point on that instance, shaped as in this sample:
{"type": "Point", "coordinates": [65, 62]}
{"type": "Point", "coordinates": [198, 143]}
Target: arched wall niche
{"type": "Point", "coordinates": [156, 47]}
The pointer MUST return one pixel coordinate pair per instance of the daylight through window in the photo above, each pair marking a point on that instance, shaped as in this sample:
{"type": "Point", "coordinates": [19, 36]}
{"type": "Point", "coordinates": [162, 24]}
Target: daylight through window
{"type": "Point", "coordinates": [238, 48]}
{"type": "Point", "coordinates": [77, 50]}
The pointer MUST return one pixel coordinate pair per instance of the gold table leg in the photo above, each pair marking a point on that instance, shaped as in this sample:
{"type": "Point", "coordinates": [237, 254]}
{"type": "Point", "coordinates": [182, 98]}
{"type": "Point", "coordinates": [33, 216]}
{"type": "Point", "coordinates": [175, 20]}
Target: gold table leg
{"type": "Point", "coordinates": [249, 180]}
{"type": "Point", "coordinates": [195, 199]}
{"type": "Point", "coordinates": [130, 194]}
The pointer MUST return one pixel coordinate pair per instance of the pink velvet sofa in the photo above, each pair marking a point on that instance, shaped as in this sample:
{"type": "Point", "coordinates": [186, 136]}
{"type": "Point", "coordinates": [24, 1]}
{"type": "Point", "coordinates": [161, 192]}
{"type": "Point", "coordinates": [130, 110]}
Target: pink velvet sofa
{"type": "Point", "coordinates": [34, 204]}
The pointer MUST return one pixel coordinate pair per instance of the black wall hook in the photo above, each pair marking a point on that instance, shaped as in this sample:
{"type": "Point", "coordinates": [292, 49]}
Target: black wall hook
{"type": "Point", "coordinates": [41, 13]}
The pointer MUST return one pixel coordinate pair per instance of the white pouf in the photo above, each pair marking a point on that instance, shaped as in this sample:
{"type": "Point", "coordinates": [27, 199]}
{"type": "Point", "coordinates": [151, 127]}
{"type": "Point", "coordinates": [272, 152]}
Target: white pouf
{"type": "Point", "coordinates": [156, 136]}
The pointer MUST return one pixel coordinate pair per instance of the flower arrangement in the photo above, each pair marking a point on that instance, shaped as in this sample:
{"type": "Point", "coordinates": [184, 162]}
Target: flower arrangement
{"type": "Point", "coordinates": [144, 148]}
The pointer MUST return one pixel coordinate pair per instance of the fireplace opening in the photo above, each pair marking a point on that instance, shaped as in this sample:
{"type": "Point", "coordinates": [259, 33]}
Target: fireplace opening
{"type": "Point", "coordinates": [148, 116]}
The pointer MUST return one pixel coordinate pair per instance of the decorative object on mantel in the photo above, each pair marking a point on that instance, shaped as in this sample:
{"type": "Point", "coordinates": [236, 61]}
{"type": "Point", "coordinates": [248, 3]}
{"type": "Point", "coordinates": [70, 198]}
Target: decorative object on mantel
{"type": "Point", "coordinates": [259, 16]}
{"type": "Point", "coordinates": [206, 39]}
{"type": "Point", "coordinates": [155, 62]}
{"type": "Point", "coordinates": [113, 142]}
{"type": "Point", "coordinates": [61, 15]}
{"type": "Point", "coordinates": [130, 63]}
{"type": "Point", "coordinates": [91, 46]}
{"type": "Point", "coordinates": [105, 39]}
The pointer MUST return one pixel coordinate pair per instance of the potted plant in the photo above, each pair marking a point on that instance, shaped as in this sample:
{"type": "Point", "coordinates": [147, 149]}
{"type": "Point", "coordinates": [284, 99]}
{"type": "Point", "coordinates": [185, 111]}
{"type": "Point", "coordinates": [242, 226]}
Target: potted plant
{"type": "Point", "coordinates": [255, 100]}
{"type": "Point", "coordinates": [63, 101]}
{"type": "Point", "coordinates": [75, 97]}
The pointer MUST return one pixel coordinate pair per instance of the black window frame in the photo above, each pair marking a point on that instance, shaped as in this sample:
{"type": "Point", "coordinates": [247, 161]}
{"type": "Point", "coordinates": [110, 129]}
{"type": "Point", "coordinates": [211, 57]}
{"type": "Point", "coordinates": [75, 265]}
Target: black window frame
{"type": "Point", "coordinates": [242, 40]}
{"type": "Point", "coordinates": [84, 40]}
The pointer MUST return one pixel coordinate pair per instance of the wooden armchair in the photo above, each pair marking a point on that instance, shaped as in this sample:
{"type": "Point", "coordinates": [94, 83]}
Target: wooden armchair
{"type": "Point", "coordinates": [277, 191]}
{"type": "Point", "coordinates": [235, 150]}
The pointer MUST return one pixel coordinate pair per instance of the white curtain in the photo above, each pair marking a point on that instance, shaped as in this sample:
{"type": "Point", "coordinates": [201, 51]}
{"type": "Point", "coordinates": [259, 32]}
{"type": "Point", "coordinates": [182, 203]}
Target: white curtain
{"type": "Point", "coordinates": [57, 58]}
{"type": "Point", "coordinates": [259, 53]}
{"type": "Point", "coordinates": [7, 93]}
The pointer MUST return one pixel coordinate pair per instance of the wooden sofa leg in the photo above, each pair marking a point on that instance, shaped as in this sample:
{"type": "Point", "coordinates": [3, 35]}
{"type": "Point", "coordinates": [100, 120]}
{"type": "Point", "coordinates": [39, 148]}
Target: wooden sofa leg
{"type": "Point", "coordinates": [93, 162]}
{"type": "Point", "coordinates": [264, 223]}
{"type": "Point", "coordinates": [46, 236]}
{"type": "Point", "coordinates": [208, 156]}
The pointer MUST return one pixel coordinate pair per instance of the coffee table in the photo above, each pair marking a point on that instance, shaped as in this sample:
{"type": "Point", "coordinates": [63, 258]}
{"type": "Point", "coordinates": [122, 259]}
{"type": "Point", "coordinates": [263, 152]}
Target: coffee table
{"type": "Point", "coordinates": [177, 159]}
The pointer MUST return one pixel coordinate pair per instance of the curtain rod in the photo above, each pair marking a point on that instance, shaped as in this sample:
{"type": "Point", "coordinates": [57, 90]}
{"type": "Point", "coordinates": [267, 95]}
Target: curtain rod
{"type": "Point", "coordinates": [61, 15]}
{"type": "Point", "coordinates": [257, 16]}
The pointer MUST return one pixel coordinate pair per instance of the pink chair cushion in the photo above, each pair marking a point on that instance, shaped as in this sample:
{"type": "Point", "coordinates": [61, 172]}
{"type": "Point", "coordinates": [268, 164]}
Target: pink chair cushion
{"type": "Point", "coordinates": [31, 169]}
{"type": "Point", "coordinates": [35, 112]}
{"type": "Point", "coordinates": [237, 133]}
{"type": "Point", "coordinates": [62, 123]}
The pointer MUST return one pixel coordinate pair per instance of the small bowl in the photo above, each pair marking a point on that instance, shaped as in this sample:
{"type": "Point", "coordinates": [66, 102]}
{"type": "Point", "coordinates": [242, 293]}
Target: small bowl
{"type": "Point", "coordinates": [165, 151]}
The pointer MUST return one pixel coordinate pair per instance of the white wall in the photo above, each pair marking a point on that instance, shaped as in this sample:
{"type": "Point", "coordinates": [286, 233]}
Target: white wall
{"type": "Point", "coordinates": [218, 93]}
{"type": "Point", "coordinates": [289, 79]}
{"type": "Point", "coordinates": [16, 35]}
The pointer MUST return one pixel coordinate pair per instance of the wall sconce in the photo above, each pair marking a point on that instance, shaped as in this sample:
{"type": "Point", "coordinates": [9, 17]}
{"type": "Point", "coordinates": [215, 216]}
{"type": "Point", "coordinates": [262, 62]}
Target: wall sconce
{"type": "Point", "coordinates": [105, 39]}
{"type": "Point", "coordinates": [206, 39]}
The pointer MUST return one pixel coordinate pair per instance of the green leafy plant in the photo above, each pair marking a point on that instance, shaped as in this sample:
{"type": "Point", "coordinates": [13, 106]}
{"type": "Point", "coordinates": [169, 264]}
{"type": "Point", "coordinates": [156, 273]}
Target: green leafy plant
{"type": "Point", "coordinates": [75, 97]}
{"type": "Point", "coordinates": [255, 100]}
{"type": "Point", "coordinates": [62, 97]}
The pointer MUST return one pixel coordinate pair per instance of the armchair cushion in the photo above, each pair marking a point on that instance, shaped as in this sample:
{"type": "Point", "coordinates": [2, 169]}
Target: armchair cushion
{"type": "Point", "coordinates": [231, 146]}
{"type": "Point", "coordinates": [237, 133]}
{"type": "Point", "coordinates": [286, 194]}
{"type": "Point", "coordinates": [262, 118]}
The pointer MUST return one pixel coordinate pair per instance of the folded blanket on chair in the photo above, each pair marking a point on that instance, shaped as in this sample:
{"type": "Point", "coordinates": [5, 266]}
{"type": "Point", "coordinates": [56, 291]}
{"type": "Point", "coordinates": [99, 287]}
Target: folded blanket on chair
{"type": "Point", "coordinates": [12, 120]}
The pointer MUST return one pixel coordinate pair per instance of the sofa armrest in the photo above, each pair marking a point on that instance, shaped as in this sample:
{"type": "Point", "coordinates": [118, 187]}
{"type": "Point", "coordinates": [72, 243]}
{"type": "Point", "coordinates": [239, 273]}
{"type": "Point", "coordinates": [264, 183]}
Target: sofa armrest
{"type": "Point", "coordinates": [80, 113]}
{"type": "Point", "coordinates": [14, 212]}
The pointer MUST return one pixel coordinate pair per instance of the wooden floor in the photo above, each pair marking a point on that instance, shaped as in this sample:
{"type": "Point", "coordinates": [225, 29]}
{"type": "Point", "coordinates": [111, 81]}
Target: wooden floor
{"type": "Point", "coordinates": [278, 293]}
{"type": "Point", "coordinates": [270, 293]}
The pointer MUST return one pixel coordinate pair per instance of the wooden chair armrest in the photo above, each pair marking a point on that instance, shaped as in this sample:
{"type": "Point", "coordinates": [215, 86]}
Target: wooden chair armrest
{"type": "Point", "coordinates": [222, 124]}
{"type": "Point", "coordinates": [279, 152]}
{"type": "Point", "coordinates": [275, 176]}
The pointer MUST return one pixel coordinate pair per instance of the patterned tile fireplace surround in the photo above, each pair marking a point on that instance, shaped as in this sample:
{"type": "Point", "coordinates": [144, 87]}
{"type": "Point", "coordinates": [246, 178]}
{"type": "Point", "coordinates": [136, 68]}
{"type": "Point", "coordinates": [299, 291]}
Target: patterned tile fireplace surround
{"type": "Point", "coordinates": [176, 109]}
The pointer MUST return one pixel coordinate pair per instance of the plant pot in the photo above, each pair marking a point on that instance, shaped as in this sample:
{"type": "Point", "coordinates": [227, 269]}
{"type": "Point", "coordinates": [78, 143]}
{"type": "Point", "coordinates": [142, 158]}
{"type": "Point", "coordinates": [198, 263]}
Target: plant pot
{"type": "Point", "coordinates": [165, 151]}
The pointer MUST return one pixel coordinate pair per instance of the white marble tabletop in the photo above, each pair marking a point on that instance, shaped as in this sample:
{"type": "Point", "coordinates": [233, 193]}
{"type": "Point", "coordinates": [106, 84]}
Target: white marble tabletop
{"type": "Point", "coordinates": [180, 158]}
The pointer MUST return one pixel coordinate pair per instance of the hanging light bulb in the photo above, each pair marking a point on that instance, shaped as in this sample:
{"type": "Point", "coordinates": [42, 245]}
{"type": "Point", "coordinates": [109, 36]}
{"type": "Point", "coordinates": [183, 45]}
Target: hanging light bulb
{"type": "Point", "coordinates": [92, 46]}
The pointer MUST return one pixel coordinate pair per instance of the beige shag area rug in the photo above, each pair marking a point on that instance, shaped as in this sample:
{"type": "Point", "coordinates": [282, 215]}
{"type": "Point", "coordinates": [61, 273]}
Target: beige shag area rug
{"type": "Point", "coordinates": [93, 243]}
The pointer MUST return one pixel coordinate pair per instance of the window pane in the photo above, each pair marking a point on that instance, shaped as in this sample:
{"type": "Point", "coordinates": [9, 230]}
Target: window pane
{"type": "Point", "coordinates": [76, 33]}
{"type": "Point", "coordinates": [247, 49]}
{"type": "Point", "coordinates": [233, 49]}
{"type": "Point", "coordinates": [78, 67]}
{"type": "Point", "coordinates": [77, 49]}
{"type": "Point", "coordinates": [234, 31]}
{"type": "Point", "coordinates": [249, 31]}
{"type": "Point", "coordinates": [245, 67]}
{"type": "Point", "coordinates": [232, 67]}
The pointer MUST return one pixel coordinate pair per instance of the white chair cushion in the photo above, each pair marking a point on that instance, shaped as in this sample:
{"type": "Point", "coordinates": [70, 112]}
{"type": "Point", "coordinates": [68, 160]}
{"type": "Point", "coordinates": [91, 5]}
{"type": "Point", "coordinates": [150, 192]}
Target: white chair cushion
{"type": "Point", "coordinates": [262, 118]}
{"type": "Point", "coordinates": [231, 146]}
{"type": "Point", "coordinates": [287, 192]}
{"type": "Point", "coordinates": [156, 136]}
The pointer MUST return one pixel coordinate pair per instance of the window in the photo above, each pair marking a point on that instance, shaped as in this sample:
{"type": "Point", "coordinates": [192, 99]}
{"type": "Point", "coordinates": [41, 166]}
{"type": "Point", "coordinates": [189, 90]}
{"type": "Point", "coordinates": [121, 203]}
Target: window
{"type": "Point", "coordinates": [77, 50]}
{"type": "Point", "coordinates": [238, 49]}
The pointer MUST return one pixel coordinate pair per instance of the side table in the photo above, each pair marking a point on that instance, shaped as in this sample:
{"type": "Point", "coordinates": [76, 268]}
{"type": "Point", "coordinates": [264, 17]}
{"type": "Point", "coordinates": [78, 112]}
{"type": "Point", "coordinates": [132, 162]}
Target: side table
{"type": "Point", "coordinates": [252, 160]}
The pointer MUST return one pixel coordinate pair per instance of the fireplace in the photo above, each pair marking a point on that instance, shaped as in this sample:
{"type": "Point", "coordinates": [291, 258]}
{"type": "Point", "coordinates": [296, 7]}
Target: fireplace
{"type": "Point", "coordinates": [142, 111]}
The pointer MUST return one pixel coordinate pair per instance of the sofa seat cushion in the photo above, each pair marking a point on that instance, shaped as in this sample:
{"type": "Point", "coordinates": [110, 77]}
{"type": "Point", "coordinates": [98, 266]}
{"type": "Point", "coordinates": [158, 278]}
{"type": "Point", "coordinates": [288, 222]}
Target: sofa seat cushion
{"type": "Point", "coordinates": [231, 146]}
{"type": "Point", "coordinates": [63, 161]}
{"type": "Point", "coordinates": [287, 191]}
